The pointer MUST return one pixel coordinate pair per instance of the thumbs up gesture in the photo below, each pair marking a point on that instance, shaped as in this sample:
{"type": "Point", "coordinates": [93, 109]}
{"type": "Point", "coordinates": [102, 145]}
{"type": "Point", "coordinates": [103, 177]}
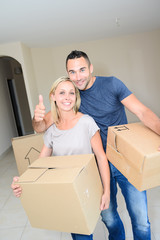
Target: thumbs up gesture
{"type": "Point", "coordinates": [39, 111]}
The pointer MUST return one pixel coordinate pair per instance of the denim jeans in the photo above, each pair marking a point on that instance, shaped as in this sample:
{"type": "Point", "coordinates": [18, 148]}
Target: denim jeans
{"type": "Point", "coordinates": [81, 237]}
{"type": "Point", "coordinates": [136, 203]}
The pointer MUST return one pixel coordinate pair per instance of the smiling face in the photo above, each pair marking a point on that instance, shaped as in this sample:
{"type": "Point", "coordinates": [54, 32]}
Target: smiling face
{"type": "Point", "coordinates": [80, 72]}
{"type": "Point", "coordinates": [65, 96]}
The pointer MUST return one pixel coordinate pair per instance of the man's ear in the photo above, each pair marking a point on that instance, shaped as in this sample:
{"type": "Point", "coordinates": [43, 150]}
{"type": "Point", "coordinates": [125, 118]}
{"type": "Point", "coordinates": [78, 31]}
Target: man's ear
{"type": "Point", "coordinates": [91, 68]}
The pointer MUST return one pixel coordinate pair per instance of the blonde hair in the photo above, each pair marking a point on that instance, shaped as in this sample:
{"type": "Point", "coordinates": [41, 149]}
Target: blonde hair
{"type": "Point", "coordinates": [54, 108]}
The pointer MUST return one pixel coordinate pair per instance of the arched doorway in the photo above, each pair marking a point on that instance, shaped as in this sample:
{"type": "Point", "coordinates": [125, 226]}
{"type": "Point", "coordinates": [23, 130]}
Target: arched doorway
{"type": "Point", "coordinates": [14, 87]}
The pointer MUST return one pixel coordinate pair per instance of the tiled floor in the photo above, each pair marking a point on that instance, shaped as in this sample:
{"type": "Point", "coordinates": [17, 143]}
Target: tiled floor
{"type": "Point", "coordinates": [14, 224]}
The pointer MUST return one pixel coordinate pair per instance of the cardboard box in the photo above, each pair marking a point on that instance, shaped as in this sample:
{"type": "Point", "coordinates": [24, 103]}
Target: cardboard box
{"type": "Point", "coordinates": [133, 150]}
{"type": "Point", "coordinates": [62, 193]}
{"type": "Point", "coordinates": [26, 150]}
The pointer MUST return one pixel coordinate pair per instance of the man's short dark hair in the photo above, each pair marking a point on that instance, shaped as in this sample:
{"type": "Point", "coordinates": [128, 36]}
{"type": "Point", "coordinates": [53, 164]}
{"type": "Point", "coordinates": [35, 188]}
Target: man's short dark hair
{"type": "Point", "coordinates": [77, 54]}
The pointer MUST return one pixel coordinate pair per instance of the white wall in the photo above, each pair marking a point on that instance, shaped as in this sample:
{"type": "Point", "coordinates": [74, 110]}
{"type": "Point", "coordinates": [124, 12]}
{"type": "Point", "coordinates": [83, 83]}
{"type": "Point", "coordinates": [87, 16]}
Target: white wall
{"type": "Point", "coordinates": [21, 53]}
{"type": "Point", "coordinates": [29, 76]}
{"type": "Point", "coordinates": [135, 59]}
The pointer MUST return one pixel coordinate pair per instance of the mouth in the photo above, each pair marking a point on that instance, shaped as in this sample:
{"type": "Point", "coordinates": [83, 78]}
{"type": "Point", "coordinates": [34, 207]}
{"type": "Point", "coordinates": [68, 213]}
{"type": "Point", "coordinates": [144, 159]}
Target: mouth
{"type": "Point", "coordinates": [67, 103]}
{"type": "Point", "coordinates": [80, 82]}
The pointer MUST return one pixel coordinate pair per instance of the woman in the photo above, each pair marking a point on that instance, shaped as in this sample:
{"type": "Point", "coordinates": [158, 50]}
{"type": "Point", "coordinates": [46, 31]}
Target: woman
{"type": "Point", "coordinates": [73, 133]}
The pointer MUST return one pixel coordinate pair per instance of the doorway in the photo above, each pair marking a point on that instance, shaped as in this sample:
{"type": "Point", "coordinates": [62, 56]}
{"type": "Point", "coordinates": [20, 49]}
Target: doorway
{"type": "Point", "coordinates": [16, 91]}
{"type": "Point", "coordinates": [15, 106]}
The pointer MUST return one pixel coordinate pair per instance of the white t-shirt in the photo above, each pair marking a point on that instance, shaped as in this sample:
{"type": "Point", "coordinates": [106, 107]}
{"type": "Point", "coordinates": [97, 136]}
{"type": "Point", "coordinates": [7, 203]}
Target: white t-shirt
{"type": "Point", "coordinates": [73, 141]}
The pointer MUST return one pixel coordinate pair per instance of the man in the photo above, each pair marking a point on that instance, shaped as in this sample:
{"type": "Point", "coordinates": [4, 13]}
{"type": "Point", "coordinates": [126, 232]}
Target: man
{"type": "Point", "coordinates": [104, 98]}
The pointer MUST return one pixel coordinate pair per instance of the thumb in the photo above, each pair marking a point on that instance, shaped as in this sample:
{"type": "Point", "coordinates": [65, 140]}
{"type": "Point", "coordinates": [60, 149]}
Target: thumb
{"type": "Point", "coordinates": [15, 179]}
{"type": "Point", "coordinates": [41, 100]}
{"type": "Point", "coordinates": [102, 206]}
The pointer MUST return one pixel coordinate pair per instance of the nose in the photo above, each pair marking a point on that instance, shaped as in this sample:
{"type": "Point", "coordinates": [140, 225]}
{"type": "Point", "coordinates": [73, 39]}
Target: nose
{"type": "Point", "coordinates": [67, 96]}
{"type": "Point", "coordinates": [78, 76]}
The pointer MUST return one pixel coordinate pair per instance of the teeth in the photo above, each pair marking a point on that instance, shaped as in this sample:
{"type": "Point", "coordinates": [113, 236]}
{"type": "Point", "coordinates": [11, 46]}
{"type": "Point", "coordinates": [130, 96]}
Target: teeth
{"type": "Point", "coordinates": [66, 103]}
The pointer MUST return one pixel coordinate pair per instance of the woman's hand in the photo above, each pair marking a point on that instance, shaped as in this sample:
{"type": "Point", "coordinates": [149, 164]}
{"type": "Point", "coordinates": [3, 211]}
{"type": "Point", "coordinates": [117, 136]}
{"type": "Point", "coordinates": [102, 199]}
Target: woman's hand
{"type": "Point", "coordinates": [105, 200]}
{"type": "Point", "coordinates": [17, 191]}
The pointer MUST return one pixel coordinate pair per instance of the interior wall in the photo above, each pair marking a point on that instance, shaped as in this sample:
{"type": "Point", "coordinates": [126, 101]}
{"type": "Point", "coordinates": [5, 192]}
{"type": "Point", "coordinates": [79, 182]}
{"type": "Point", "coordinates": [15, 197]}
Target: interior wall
{"type": "Point", "coordinates": [44, 72]}
{"type": "Point", "coordinates": [29, 77]}
{"type": "Point", "coordinates": [133, 58]}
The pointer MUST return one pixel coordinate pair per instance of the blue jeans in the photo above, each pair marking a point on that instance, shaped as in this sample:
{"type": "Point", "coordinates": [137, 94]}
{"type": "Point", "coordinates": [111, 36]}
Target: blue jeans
{"type": "Point", "coordinates": [136, 203]}
{"type": "Point", "coordinates": [81, 237]}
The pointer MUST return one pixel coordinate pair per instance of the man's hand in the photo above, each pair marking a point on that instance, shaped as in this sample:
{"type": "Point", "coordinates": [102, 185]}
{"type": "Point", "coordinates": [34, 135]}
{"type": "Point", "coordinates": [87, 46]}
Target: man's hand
{"type": "Point", "coordinates": [39, 111]}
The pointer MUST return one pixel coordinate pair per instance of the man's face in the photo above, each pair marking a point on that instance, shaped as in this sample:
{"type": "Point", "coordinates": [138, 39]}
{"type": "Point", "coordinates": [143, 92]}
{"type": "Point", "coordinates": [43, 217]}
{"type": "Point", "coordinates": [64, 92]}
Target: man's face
{"type": "Point", "coordinates": [80, 72]}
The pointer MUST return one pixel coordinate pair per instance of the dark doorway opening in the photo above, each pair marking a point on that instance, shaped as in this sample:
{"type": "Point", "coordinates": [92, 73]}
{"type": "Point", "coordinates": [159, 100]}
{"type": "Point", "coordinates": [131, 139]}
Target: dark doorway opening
{"type": "Point", "coordinates": [15, 105]}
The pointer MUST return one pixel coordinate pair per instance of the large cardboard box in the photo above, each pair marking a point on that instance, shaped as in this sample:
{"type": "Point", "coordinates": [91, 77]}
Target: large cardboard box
{"type": "Point", "coordinates": [133, 150]}
{"type": "Point", "coordinates": [26, 150]}
{"type": "Point", "coordinates": [62, 193]}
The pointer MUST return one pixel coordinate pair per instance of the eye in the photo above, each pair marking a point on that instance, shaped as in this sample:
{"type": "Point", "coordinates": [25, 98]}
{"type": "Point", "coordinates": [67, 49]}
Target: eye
{"type": "Point", "coordinates": [72, 72]}
{"type": "Point", "coordinates": [62, 92]}
{"type": "Point", "coordinates": [72, 93]}
{"type": "Point", "coordinates": [82, 69]}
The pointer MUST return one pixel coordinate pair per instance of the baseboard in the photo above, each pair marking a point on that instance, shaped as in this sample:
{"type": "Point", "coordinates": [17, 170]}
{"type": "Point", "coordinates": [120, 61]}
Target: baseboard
{"type": "Point", "coordinates": [5, 153]}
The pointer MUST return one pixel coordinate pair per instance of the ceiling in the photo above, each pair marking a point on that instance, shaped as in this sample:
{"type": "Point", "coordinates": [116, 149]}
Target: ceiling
{"type": "Point", "coordinates": [50, 23]}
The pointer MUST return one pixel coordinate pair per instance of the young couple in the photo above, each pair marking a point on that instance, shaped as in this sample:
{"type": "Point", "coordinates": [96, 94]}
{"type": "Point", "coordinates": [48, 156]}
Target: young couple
{"type": "Point", "coordinates": [103, 99]}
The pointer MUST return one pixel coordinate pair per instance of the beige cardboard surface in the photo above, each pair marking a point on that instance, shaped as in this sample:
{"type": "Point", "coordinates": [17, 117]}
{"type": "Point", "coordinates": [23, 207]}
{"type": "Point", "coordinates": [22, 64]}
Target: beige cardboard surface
{"type": "Point", "coordinates": [133, 150]}
{"type": "Point", "coordinates": [63, 193]}
{"type": "Point", "coordinates": [26, 150]}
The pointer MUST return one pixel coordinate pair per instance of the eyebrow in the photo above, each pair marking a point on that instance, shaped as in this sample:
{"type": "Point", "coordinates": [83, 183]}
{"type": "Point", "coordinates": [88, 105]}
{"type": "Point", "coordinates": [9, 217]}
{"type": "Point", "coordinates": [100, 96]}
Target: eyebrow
{"type": "Point", "coordinates": [71, 70]}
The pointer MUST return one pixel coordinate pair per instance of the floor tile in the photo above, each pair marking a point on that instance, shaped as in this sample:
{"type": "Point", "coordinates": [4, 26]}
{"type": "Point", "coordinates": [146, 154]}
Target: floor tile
{"type": "Point", "coordinates": [66, 236]}
{"type": "Point", "coordinates": [127, 223]}
{"type": "Point", "coordinates": [11, 218]}
{"type": "Point", "coordinates": [30, 233]}
{"type": "Point", "coordinates": [154, 216]}
{"type": "Point", "coordinates": [153, 196]}
{"type": "Point", "coordinates": [12, 203]}
{"type": "Point", "coordinates": [11, 233]}
{"type": "Point", "coordinates": [156, 236]}
{"type": "Point", "coordinates": [99, 232]}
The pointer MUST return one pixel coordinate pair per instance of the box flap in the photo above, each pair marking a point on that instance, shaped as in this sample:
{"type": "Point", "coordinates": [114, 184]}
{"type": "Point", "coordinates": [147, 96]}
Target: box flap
{"type": "Point", "coordinates": [34, 175]}
{"type": "Point", "coordinates": [26, 137]}
{"type": "Point", "coordinates": [56, 169]}
{"type": "Point", "coordinates": [31, 176]}
{"type": "Point", "coordinates": [62, 161]}
{"type": "Point", "coordinates": [59, 176]}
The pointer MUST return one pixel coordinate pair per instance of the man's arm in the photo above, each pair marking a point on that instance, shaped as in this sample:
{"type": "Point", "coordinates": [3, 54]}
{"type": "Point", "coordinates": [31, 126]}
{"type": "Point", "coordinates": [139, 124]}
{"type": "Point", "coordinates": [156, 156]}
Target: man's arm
{"type": "Point", "coordinates": [41, 121]}
{"type": "Point", "coordinates": [149, 118]}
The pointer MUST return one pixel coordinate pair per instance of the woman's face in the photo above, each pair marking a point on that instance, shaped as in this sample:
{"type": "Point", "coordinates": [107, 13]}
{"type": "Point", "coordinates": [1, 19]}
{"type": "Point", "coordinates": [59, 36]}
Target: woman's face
{"type": "Point", "coordinates": [65, 96]}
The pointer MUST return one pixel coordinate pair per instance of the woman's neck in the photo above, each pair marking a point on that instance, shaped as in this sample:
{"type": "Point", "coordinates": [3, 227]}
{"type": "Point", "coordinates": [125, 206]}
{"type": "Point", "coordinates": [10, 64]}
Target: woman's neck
{"type": "Point", "coordinates": [68, 120]}
{"type": "Point", "coordinates": [67, 116]}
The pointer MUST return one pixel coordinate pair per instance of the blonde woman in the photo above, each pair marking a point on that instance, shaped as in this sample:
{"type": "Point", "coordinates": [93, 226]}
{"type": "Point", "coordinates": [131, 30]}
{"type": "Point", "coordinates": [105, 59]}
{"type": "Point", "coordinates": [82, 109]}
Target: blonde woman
{"type": "Point", "coordinates": [73, 133]}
